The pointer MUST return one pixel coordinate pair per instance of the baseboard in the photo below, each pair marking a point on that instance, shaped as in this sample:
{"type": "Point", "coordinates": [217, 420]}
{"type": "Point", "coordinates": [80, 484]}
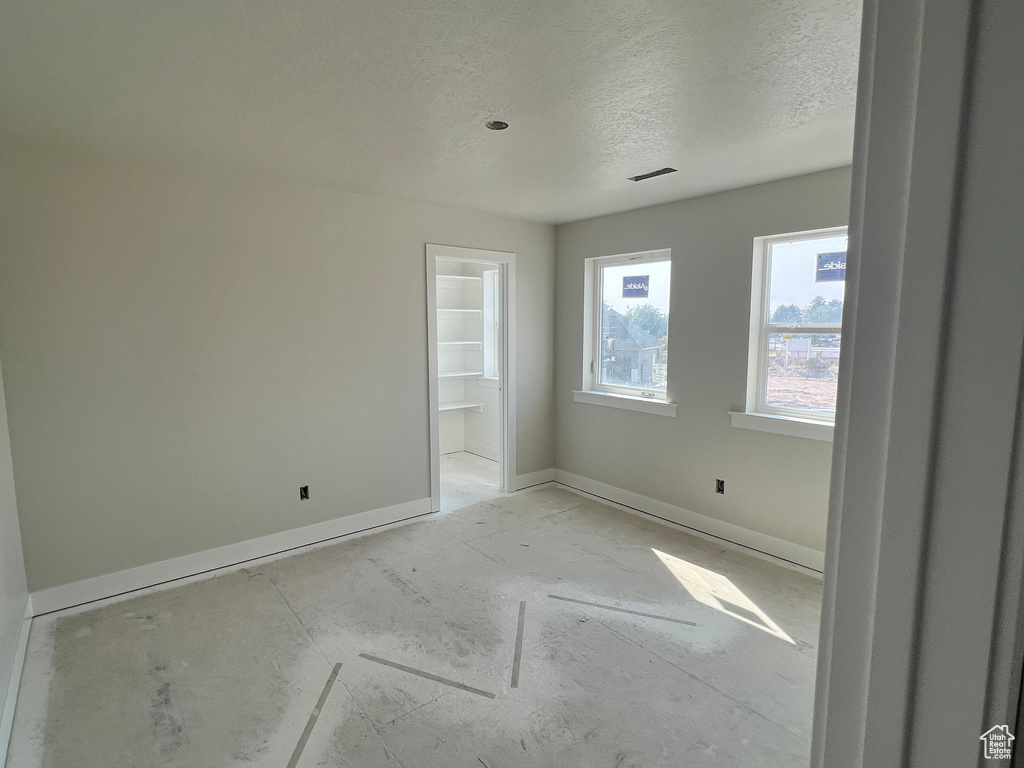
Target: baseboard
{"type": "Point", "coordinates": [531, 479]}
{"type": "Point", "coordinates": [805, 558]}
{"type": "Point", "coordinates": [200, 564]}
{"type": "Point", "coordinates": [482, 450]}
{"type": "Point", "coordinates": [11, 700]}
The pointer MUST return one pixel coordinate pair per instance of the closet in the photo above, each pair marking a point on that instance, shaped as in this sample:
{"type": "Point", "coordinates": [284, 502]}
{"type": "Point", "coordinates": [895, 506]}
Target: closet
{"type": "Point", "coordinates": [467, 358]}
{"type": "Point", "coordinates": [471, 346]}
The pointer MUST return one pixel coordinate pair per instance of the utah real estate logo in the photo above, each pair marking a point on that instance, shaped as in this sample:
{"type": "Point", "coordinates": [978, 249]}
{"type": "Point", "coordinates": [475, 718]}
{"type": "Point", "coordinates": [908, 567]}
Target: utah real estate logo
{"type": "Point", "coordinates": [998, 742]}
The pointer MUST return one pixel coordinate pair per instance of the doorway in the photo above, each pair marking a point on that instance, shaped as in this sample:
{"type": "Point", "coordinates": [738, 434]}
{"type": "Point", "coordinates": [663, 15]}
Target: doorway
{"type": "Point", "coordinates": [470, 322]}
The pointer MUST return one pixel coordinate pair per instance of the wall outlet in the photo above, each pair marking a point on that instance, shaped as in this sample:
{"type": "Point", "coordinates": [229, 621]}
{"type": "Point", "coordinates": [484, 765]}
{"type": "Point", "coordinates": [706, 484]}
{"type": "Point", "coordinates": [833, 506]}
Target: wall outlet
{"type": "Point", "coordinates": [720, 486]}
{"type": "Point", "coordinates": [303, 493]}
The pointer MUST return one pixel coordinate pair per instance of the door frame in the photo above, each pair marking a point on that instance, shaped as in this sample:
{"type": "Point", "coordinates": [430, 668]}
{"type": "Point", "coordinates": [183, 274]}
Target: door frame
{"type": "Point", "coordinates": [506, 262]}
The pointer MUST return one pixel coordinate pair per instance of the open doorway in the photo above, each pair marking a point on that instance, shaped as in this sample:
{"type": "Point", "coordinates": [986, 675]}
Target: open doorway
{"type": "Point", "coordinates": [470, 310]}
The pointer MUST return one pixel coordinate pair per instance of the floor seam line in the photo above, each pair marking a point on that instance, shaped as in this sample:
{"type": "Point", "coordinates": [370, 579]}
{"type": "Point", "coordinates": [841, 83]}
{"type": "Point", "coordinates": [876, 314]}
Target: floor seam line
{"type": "Point", "coordinates": [691, 675]}
{"type": "Point", "coordinates": [521, 525]}
{"type": "Point", "coordinates": [496, 562]}
{"type": "Point", "coordinates": [421, 706]}
{"type": "Point", "coordinates": [373, 725]}
{"type": "Point", "coordinates": [499, 666]}
{"type": "Point", "coordinates": [297, 619]}
{"type": "Point", "coordinates": [533, 648]}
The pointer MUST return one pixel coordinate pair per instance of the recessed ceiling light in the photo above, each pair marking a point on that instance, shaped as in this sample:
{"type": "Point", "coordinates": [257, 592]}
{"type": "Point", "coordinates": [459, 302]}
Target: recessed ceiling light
{"type": "Point", "coordinates": [652, 174]}
{"type": "Point", "coordinates": [497, 125]}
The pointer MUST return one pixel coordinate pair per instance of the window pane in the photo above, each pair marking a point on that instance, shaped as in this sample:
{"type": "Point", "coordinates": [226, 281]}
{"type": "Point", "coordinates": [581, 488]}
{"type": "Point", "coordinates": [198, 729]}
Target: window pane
{"type": "Point", "coordinates": [806, 281]}
{"type": "Point", "coordinates": [802, 371]}
{"type": "Point", "coordinates": [634, 324]}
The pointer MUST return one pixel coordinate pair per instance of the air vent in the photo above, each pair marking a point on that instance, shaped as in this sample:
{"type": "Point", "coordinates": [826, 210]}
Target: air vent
{"type": "Point", "coordinates": [652, 174]}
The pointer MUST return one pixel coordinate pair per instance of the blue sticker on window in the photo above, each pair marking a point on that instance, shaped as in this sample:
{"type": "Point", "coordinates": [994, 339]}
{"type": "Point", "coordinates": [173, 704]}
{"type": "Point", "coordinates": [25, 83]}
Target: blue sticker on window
{"type": "Point", "coordinates": [636, 287]}
{"type": "Point", "coordinates": [831, 266]}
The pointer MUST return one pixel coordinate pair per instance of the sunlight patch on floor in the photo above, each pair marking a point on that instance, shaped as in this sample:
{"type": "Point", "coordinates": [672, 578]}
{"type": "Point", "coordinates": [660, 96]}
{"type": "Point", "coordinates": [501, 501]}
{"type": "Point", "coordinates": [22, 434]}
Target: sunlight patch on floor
{"type": "Point", "coordinates": [716, 591]}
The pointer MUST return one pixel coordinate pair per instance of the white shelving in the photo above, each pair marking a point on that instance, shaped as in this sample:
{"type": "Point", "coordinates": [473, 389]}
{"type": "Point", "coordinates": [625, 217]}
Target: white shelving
{"type": "Point", "coordinates": [461, 405]}
{"type": "Point", "coordinates": [460, 346]}
{"type": "Point", "coordinates": [467, 278]}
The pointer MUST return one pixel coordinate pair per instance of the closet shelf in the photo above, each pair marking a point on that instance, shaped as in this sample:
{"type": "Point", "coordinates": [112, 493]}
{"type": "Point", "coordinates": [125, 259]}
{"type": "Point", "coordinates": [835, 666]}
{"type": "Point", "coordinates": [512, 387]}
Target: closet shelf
{"type": "Point", "coordinates": [459, 374]}
{"type": "Point", "coordinates": [459, 343]}
{"type": "Point", "coordinates": [477, 311]}
{"type": "Point", "coordinates": [461, 405]}
{"type": "Point", "coordinates": [460, 277]}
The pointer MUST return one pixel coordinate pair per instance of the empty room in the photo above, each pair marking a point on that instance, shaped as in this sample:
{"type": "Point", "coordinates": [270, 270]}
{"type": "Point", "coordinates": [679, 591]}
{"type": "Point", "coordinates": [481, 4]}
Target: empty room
{"type": "Point", "coordinates": [429, 384]}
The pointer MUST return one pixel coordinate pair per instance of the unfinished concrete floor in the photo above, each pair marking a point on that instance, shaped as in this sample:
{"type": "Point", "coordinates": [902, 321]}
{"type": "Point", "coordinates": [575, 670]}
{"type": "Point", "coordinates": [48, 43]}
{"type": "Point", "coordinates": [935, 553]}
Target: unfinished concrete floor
{"type": "Point", "coordinates": [714, 666]}
{"type": "Point", "coordinates": [466, 479]}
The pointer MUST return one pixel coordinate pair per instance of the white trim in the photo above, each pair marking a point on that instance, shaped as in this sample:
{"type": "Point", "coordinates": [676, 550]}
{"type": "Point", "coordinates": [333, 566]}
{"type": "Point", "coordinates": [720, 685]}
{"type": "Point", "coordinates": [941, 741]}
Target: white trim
{"type": "Point", "coordinates": [168, 573]}
{"type": "Point", "coordinates": [783, 425]}
{"type": "Point", "coordinates": [433, 396]}
{"type": "Point", "coordinates": [920, 643]}
{"type": "Point", "coordinates": [803, 559]}
{"type": "Point", "coordinates": [491, 339]}
{"type": "Point", "coordinates": [507, 385]}
{"type": "Point", "coordinates": [627, 402]}
{"type": "Point", "coordinates": [11, 700]}
{"type": "Point", "coordinates": [479, 449]}
{"type": "Point", "coordinates": [531, 479]}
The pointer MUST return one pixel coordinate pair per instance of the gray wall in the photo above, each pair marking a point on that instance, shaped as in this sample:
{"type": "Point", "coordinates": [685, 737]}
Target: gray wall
{"type": "Point", "coordinates": [13, 590]}
{"type": "Point", "coordinates": [182, 350]}
{"type": "Point", "coordinates": [775, 484]}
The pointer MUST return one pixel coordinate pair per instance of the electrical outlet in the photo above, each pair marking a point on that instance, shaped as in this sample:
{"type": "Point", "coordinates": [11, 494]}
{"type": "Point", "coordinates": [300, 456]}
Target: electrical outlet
{"type": "Point", "coordinates": [303, 493]}
{"type": "Point", "coordinates": [720, 486]}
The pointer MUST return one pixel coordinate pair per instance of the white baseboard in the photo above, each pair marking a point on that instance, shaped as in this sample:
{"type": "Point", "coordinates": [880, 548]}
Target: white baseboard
{"type": "Point", "coordinates": [170, 573]}
{"type": "Point", "coordinates": [531, 479]}
{"type": "Point", "coordinates": [483, 450]}
{"type": "Point", "coordinates": [11, 700]}
{"type": "Point", "coordinates": [808, 560]}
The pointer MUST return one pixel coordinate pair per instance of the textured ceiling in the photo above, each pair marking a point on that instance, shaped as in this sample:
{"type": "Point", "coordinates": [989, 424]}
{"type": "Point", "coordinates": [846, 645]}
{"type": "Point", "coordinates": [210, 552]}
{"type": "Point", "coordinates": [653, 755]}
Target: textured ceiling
{"type": "Point", "coordinates": [389, 97]}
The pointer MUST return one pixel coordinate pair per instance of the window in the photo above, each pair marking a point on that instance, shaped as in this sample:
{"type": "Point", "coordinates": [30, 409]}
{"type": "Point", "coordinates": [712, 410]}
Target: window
{"type": "Point", "coordinates": [795, 325]}
{"type": "Point", "coordinates": [626, 331]}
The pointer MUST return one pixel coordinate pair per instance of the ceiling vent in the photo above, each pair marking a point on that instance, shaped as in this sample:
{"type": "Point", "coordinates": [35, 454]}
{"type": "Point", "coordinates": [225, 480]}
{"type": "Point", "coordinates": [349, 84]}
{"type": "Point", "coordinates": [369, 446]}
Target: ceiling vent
{"type": "Point", "coordinates": [652, 174]}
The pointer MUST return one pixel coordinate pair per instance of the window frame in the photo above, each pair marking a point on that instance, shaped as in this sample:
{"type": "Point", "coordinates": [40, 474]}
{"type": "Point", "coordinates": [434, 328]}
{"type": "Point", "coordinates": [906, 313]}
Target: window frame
{"type": "Point", "coordinates": [593, 304]}
{"type": "Point", "coordinates": [761, 329]}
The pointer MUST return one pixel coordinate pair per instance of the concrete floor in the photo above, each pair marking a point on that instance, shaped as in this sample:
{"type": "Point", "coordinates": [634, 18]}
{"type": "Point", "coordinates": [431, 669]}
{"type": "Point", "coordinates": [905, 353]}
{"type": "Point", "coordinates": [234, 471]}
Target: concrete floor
{"type": "Point", "coordinates": [228, 671]}
{"type": "Point", "coordinates": [467, 479]}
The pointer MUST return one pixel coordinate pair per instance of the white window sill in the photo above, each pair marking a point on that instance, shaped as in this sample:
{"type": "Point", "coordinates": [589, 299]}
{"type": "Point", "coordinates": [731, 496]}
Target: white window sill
{"type": "Point", "coordinates": [627, 402]}
{"type": "Point", "coordinates": [783, 425]}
